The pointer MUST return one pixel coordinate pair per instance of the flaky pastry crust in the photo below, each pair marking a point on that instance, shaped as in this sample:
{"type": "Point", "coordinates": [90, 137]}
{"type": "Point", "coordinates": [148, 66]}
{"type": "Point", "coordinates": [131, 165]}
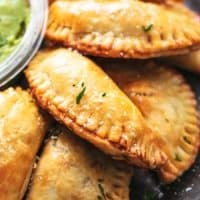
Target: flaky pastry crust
{"type": "Point", "coordinates": [169, 107]}
{"type": "Point", "coordinates": [81, 96]}
{"type": "Point", "coordinates": [22, 129]}
{"type": "Point", "coordinates": [69, 169]}
{"type": "Point", "coordinates": [123, 28]}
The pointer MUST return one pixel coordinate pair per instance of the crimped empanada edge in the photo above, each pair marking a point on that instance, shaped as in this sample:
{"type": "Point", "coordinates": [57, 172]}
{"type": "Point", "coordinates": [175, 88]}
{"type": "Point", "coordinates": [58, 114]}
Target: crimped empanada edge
{"type": "Point", "coordinates": [123, 172]}
{"type": "Point", "coordinates": [180, 91]}
{"type": "Point", "coordinates": [42, 96]}
{"type": "Point", "coordinates": [194, 127]}
{"type": "Point", "coordinates": [102, 51]}
{"type": "Point", "coordinates": [109, 45]}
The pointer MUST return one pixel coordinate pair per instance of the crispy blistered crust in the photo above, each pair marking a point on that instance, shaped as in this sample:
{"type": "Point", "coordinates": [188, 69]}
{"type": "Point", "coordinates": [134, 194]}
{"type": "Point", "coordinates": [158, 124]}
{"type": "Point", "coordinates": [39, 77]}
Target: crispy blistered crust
{"type": "Point", "coordinates": [113, 29]}
{"type": "Point", "coordinates": [189, 61]}
{"type": "Point", "coordinates": [70, 168]}
{"type": "Point", "coordinates": [169, 106]}
{"type": "Point", "coordinates": [22, 129]}
{"type": "Point", "coordinates": [104, 116]}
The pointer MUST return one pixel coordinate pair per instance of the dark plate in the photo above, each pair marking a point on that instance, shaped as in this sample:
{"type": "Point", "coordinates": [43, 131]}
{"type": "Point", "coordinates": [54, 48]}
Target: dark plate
{"type": "Point", "coordinates": [146, 186]}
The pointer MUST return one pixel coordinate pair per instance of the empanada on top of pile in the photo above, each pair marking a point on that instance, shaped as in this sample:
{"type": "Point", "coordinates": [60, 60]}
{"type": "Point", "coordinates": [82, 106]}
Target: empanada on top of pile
{"type": "Point", "coordinates": [123, 28]}
{"type": "Point", "coordinates": [169, 107]}
{"type": "Point", "coordinates": [22, 128]}
{"type": "Point", "coordinates": [70, 168]}
{"type": "Point", "coordinates": [81, 96]}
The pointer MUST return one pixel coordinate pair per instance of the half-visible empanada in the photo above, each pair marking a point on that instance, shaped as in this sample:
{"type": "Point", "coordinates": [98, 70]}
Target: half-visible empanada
{"type": "Point", "coordinates": [69, 169]}
{"type": "Point", "coordinates": [189, 61]}
{"type": "Point", "coordinates": [81, 96]}
{"type": "Point", "coordinates": [22, 129]}
{"type": "Point", "coordinates": [123, 28]}
{"type": "Point", "coordinates": [169, 107]}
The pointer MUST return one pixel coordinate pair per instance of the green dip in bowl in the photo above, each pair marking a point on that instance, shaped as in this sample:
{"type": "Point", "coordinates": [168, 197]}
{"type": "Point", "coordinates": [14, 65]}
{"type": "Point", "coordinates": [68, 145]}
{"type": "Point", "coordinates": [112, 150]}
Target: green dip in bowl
{"type": "Point", "coordinates": [22, 27]}
{"type": "Point", "coordinates": [14, 18]}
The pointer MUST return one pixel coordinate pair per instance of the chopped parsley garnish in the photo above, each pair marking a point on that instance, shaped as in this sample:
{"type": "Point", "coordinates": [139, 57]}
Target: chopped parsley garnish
{"type": "Point", "coordinates": [177, 157]}
{"type": "Point", "coordinates": [101, 189]}
{"type": "Point", "coordinates": [147, 28]}
{"type": "Point", "coordinates": [149, 196]}
{"type": "Point", "coordinates": [186, 139]}
{"type": "Point", "coordinates": [104, 94]}
{"type": "Point", "coordinates": [80, 95]}
{"type": "Point", "coordinates": [82, 84]}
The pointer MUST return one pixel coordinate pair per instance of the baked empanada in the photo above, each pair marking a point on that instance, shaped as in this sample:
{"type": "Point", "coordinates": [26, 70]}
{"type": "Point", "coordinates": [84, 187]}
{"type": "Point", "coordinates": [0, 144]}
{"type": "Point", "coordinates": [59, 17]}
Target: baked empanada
{"type": "Point", "coordinates": [81, 96]}
{"type": "Point", "coordinates": [169, 107]}
{"type": "Point", "coordinates": [22, 129]}
{"type": "Point", "coordinates": [123, 28]}
{"type": "Point", "coordinates": [69, 169]}
{"type": "Point", "coordinates": [189, 61]}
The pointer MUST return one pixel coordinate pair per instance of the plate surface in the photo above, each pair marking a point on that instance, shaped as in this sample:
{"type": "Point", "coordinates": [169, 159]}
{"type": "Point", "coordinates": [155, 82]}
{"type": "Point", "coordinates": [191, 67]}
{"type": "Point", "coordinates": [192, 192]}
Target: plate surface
{"type": "Point", "coordinates": [146, 186]}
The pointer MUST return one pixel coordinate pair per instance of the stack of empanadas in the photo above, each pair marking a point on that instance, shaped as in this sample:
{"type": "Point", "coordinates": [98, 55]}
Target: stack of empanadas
{"type": "Point", "coordinates": [114, 112]}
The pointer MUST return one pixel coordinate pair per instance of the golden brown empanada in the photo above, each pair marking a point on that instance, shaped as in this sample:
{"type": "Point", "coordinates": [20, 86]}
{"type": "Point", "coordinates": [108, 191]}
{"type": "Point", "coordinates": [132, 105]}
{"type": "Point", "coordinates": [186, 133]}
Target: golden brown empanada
{"type": "Point", "coordinates": [71, 169]}
{"type": "Point", "coordinates": [169, 107]}
{"type": "Point", "coordinates": [81, 96]}
{"type": "Point", "coordinates": [123, 28]}
{"type": "Point", "coordinates": [22, 129]}
{"type": "Point", "coordinates": [189, 61]}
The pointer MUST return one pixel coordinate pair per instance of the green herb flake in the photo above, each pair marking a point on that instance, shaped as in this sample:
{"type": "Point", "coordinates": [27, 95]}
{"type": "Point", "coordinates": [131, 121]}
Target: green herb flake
{"type": "Point", "coordinates": [178, 157]}
{"type": "Point", "coordinates": [147, 28]}
{"type": "Point", "coordinates": [82, 84]}
{"type": "Point", "coordinates": [104, 94]}
{"type": "Point", "coordinates": [80, 96]}
{"type": "Point", "coordinates": [186, 139]}
{"type": "Point", "coordinates": [101, 189]}
{"type": "Point", "coordinates": [149, 196]}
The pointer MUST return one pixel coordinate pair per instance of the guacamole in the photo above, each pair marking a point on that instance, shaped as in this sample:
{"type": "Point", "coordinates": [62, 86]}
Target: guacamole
{"type": "Point", "coordinates": [14, 18]}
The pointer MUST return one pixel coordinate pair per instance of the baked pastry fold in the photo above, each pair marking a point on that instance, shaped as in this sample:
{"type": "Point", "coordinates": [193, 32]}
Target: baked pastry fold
{"type": "Point", "coordinates": [124, 28]}
{"type": "Point", "coordinates": [69, 168]}
{"type": "Point", "coordinates": [82, 97]}
{"type": "Point", "coordinates": [169, 107]}
{"type": "Point", "coordinates": [22, 129]}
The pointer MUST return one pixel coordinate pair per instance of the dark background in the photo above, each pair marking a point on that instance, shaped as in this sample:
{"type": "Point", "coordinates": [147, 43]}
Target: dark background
{"type": "Point", "coordinates": [146, 186]}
